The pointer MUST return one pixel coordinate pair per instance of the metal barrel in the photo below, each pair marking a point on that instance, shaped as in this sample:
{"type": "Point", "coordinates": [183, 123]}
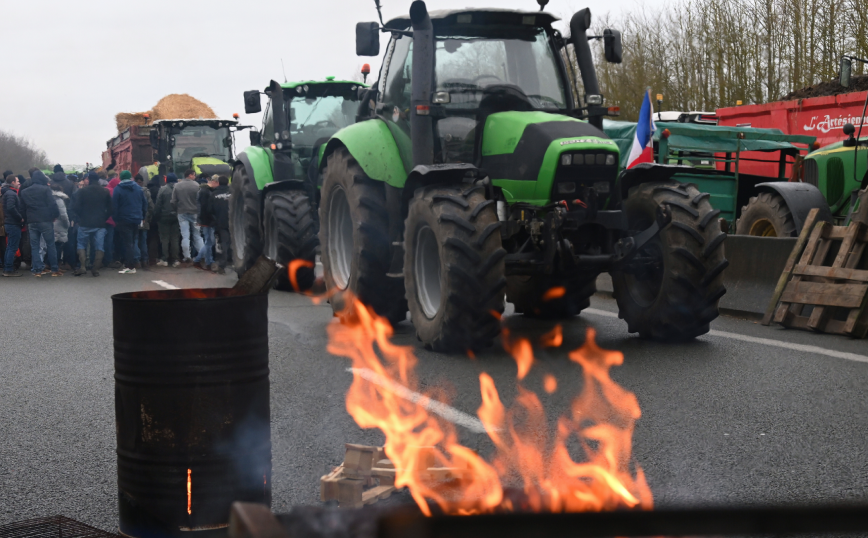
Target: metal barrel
{"type": "Point", "coordinates": [192, 409]}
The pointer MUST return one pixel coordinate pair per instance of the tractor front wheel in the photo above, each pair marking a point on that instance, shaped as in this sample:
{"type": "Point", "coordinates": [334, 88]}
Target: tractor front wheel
{"type": "Point", "coordinates": [671, 289]}
{"type": "Point", "coordinates": [354, 239]}
{"type": "Point", "coordinates": [290, 234]}
{"type": "Point", "coordinates": [244, 219]}
{"type": "Point", "coordinates": [766, 215]}
{"type": "Point", "coordinates": [454, 268]}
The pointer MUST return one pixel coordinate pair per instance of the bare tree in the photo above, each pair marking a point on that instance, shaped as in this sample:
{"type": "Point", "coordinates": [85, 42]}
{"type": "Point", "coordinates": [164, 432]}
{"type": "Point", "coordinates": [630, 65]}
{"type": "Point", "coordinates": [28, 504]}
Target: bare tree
{"type": "Point", "coordinates": [19, 154]}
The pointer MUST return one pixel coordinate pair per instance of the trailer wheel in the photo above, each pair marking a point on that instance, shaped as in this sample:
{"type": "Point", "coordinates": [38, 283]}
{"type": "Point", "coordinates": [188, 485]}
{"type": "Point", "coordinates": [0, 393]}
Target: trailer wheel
{"type": "Point", "coordinates": [550, 297]}
{"type": "Point", "coordinates": [454, 268]}
{"type": "Point", "coordinates": [674, 293]}
{"type": "Point", "coordinates": [244, 219]}
{"type": "Point", "coordinates": [290, 234]}
{"type": "Point", "coordinates": [766, 215]}
{"type": "Point", "coordinates": [354, 239]}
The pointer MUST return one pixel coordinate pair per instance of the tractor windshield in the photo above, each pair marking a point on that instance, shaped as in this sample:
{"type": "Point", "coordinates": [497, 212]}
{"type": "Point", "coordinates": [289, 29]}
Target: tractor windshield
{"type": "Point", "coordinates": [521, 58]}
{"type": "Point", "coordinates": [199, 141]}
{"type": "Point", "coordinates": [315, 119]}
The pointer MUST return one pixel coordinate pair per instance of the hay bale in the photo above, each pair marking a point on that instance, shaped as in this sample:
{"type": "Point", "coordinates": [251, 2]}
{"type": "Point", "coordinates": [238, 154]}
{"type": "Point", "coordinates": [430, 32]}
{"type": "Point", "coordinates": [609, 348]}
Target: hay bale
{"type": "Point", "coordinates": [172, 106]}
{"type": "Point", "coordinates": [182, 106]}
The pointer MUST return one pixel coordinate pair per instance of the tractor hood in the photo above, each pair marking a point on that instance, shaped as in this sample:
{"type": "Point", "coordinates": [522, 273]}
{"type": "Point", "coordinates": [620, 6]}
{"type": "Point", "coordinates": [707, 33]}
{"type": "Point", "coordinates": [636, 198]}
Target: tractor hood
{"type": "Point", "coordinates": [211, 166]}
{"type": "Point", "coordinates": [516, 144]}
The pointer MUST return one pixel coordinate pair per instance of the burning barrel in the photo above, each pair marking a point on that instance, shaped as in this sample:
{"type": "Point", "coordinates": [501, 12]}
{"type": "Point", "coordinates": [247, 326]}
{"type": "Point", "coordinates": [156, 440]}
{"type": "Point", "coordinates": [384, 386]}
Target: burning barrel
{"type": "Point", "coordinates": [192, 409]}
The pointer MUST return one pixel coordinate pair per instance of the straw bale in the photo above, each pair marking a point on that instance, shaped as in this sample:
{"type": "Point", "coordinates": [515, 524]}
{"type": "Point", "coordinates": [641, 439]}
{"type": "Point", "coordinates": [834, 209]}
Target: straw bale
{"type": "Point", "coordinates": [172, 106]}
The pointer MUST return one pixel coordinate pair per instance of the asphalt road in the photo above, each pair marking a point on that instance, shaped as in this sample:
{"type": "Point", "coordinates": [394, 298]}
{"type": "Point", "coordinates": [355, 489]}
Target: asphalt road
{"type": "Point", "coordinates": [726, 420]}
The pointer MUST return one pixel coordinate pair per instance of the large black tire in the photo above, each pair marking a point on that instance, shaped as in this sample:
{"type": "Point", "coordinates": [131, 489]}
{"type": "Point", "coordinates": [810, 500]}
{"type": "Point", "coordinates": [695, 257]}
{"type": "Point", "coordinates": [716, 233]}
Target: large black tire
{"type": "Point", "coordinates": [766, 215]}
{"type": "Point", "coordinates": [454, 268]}
{"type": "Point", "coordinates": [244, 220]}
{"type": "Point", "coordinates": [354, 234]}
{"type": "Point", "coordinates": [528, 295]}
{"type": "Point", "coordinates": [290, 234]}
{"type": "Point", "coordinates": [677, 298]}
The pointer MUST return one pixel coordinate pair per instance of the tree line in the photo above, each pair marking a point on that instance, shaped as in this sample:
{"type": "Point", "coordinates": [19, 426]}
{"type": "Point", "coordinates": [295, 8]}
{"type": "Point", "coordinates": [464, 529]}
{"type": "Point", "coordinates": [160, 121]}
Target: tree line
{"type": "Point", "coordinates": [708, 54]}
{"type": "Point", "coordinates": [20, 154]}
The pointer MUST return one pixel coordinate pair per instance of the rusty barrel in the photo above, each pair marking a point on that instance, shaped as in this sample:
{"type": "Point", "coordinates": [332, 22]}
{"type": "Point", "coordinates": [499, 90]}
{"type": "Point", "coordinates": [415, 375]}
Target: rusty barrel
{"type": "Point", "coordinates": [192, 409]}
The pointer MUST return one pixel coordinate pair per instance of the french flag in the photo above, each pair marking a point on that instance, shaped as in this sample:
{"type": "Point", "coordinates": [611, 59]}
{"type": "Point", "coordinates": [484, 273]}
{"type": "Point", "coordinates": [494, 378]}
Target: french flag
{"type": "Point", "coordinates": [643, 146]}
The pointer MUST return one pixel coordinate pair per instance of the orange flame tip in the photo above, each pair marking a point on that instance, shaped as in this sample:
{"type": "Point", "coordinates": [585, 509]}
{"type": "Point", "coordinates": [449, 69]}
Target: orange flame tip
{"type": "Point", "coordinates": [550, 384]}
{"type": "Point", "coordinates": [553, 338]}
{"type": "Point", "coordinates": [554, 293]}
{"type": "Point", "coordinates": [292, 271]}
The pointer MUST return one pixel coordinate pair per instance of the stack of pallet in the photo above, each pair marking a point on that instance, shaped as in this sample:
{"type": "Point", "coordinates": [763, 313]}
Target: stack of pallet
{"type": "Point", "coordinates": [824, 286]}
{"type": "Point", "coordinates": [367, 475]}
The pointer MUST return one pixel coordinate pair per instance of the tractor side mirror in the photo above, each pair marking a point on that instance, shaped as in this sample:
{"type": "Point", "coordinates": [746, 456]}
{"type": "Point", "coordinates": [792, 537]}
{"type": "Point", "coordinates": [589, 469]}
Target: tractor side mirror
{"type": "Point", "coordinates": [846, 70]}
{"type": "Point", "coordinates": [367, 39]}
{"type": "Point", "coordinates": [154, 139]}
{"type": "Point", "coordinates": [612, 46]}
{"type": "Point", "coordinates": [255, 138]}
{"type": "Point", "coordinates": [252, 102]}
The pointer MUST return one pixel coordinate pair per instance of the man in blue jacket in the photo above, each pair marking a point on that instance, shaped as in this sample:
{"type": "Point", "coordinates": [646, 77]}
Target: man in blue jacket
{"type": "Point", "coordinates": [12, 221]}
{"type": "Point", "coordinates": [129, 207]}
{"type": "Point", "coordinates": [40, 210]}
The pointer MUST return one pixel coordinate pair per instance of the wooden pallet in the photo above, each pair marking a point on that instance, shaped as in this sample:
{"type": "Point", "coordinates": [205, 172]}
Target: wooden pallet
{"type": "Point", "coordinates": [367, 475]}
{"type": "Point", "coordinates": [838, 292]}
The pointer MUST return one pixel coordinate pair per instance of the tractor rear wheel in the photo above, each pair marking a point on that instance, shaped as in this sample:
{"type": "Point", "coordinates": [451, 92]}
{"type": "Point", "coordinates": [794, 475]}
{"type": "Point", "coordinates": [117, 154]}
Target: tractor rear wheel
{"type": "Point", "coordinates": [550, 297]}
{"type": "Point", "coordinates": [244, 219]}
{"type": "Point", "coordinates": [673, 294]}
{"type": "Point", "coordinates": [290, 234]}
{"type": "Point", "coordinates": [766, 215]}
{"type": "Point", "coordinates": [354, 234]}
{"type": "Point", "coordinates": [454, 268]}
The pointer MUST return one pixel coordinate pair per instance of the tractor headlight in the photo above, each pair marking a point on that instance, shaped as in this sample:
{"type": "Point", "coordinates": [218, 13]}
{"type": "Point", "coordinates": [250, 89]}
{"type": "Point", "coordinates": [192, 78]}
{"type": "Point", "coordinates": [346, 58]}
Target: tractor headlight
{"type": "Point", "coordinates": [566, 187]}
{"type": "Point", "coordinates": [602, 187]}
{"type": "Point", "coordinates": [276, 135]}
{"type": "Point", "coordinates": [280, 145]}
{"type": "Point", "coordinates": [566, 159]}
{"type": "Point", "coordinates": [610, 160]}
{"type": "Point", "coordinates": [284, 135]}
{"type": "Point", "coordinates": [601, 159]}
{"type": "Point", "coordinates": [578, 158]}
{"type": "Point", "coordinates": [594, 100]}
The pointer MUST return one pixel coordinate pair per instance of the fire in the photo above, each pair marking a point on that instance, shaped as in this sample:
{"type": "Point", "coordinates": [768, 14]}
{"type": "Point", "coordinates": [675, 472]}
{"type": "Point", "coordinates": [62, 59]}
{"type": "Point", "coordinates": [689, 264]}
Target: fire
{"type": "Point", "coordinates": [293, 268]}
{"type": "Point", "coordinates": [189, 491]}
{"type": "Point", "coordinates": [601, 419]}
{"type": "Point", "coordinates": [554, 293]}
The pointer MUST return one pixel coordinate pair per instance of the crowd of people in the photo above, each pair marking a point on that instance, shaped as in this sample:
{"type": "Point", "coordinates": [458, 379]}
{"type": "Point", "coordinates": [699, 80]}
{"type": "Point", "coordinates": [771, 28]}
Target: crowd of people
{"type": "Point", "coordinates": [65, 223]}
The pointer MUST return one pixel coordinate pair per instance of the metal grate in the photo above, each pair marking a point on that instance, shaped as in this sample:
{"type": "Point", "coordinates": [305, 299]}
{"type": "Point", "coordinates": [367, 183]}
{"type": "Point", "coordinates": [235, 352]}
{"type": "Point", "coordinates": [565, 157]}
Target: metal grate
{"type": "Point", "coordinates": [52, 527]}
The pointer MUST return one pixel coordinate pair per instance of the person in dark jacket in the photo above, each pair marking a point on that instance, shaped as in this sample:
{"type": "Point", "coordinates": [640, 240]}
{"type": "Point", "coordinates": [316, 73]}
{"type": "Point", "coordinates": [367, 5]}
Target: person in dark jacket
{"type": "Point", "coordinates": [92, 206]}
{"type": "Point", "coordinates": [59, 178]}
{"type": "Point", "coordinates": [40, 210]}
{"type": "Point", "coordinates": [205, 258]}
{"type": "Point", "coordinates": [13, 220]}
{"type": "Point", "coordinates": [129, 207]}
{"type": "Point", "coordinates": [221, 222]}
{"type": "Point", "coordinates": [167, 223]}
{"type": "Point", "coordinates": [144, 227]}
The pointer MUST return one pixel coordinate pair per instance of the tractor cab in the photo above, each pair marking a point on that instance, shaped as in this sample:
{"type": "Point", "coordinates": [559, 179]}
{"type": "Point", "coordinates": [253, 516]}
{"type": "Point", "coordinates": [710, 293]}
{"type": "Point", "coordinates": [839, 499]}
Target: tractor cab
{"type": "Point", "coordinates": [298, 124]}
{"type": "Point", "coordinates": [204, 145]}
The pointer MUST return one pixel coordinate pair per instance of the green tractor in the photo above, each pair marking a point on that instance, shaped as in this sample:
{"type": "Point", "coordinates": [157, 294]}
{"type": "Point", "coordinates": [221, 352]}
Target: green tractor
{"type": "Point", "coordinates": [274, 189]}
{"type": "Point", "coordinates": [473, 175]}
{"type": "Point", "coordinates": [203, 145]}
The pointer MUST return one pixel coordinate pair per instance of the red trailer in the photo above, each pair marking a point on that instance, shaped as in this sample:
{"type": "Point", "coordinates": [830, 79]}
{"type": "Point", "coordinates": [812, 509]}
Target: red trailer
{"type": "Point", "coordinates": [823, 117]}
{"type": "Point", "coordinates": [130, 150]}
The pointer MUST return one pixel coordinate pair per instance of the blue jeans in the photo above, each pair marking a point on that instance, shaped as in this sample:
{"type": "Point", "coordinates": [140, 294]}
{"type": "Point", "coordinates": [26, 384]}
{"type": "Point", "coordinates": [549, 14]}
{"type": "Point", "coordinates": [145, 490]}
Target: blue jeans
{"type": "Point", "coordinates": [207, 247]}
{"type": "Point", "coordinates": [42, 230]}
{"type": "Point", "coordinates": [86, 234]}
{"type": "Point", "coordinates": [187, 223]}
{"type": "Point", "coordinates": [142, 247]}
{"type": "Point", "coordinates": [13, 238]}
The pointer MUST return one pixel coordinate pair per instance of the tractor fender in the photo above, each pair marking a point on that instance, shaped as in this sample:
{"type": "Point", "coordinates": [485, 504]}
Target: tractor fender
{"type": "Point", "coordinates": [646, 172]}
{"type": "Point", "coordinates": [257, 161]}
{"type": "Point", "coordinates": [371, 144]}
{"type": "Point", "coordinates": [800, 199]}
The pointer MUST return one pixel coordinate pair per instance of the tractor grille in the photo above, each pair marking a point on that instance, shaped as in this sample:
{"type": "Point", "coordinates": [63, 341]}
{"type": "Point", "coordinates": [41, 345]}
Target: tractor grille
{"type": "Point", "coordinates": [52, 527]}
{"type": "Point", "coordinates": [834, 180]}
{"type": "Point", "coordinates": [580, 171]}
{"type": "Point", "coordinates": [811, 172]}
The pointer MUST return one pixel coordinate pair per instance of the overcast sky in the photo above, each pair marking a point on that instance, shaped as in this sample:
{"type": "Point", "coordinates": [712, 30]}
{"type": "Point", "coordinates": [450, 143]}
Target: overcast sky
{"type": "Point", "coordinates": [69, 66]}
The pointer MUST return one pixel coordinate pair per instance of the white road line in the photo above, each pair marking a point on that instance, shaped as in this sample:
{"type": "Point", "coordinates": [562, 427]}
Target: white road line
{"type": "Point", "coordinates": [165, 285]}
{"type": "Point", "coordinates": [762, 341]}
{"type": "Point", "coordinates": [451, 414]}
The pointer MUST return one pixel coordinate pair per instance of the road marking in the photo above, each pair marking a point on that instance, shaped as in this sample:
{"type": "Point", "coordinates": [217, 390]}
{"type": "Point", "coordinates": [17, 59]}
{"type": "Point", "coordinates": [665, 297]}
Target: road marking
{"type": "Point", "coordinates": [165, 285]}
{"type": "Point", "coordinates": [451, 414]}
{"type": "Point", "coordinates": [762, 341]}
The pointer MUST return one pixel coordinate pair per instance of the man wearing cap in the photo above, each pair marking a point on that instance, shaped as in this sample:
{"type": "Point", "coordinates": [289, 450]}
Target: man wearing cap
{"type": "Point", "coordinates": [184, 200]}
{"type": "Point", "coordinates": [40, 210]}
{"type": "Point", "coordinates": [92, 206]}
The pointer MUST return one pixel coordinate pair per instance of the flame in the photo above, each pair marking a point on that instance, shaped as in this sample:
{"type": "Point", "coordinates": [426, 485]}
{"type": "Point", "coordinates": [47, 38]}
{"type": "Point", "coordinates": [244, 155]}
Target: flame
{"type": "Point", "coordinates": [550, 383]}
{"type": "Point", "coordinates": [553, 338]}
{"type": "Point", "coordinates": [293, 268]}
{"type": "Point", "coordinates": [554, 293]}
{"type": "Point", "coordinates": [601, 418]}
{"type": "Point", "coordinates": [189, 491]}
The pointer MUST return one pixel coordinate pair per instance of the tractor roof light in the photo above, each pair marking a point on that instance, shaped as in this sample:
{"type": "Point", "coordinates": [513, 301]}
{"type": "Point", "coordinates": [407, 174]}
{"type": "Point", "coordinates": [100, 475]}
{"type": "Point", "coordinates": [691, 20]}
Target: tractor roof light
{"type": "Point", "coordinates": [594, 100]}
{"type": "Point", "coordinates": [366, 69]}
{"type": "Point", "coordinates": [235, 115]}
{"type": "Point", "coordinates": [614, 111]}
